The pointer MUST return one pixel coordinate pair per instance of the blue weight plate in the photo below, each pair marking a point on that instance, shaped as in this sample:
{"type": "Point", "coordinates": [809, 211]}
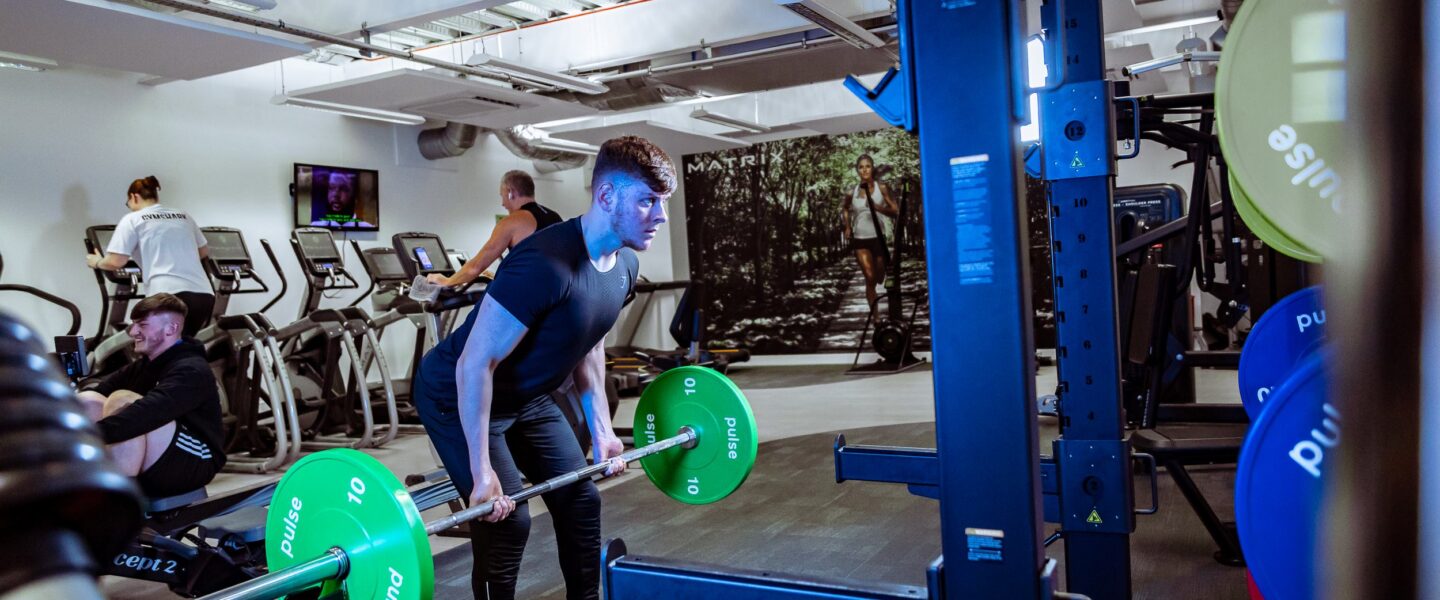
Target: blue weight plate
{"type": "Point", "coordinates": [1280, 483]}
{"type": "Point", "coordinates": [1289, 331]}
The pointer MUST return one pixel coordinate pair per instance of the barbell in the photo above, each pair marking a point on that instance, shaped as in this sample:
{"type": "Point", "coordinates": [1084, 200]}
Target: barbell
{"type": "Point", "coordinates": [340, 519]}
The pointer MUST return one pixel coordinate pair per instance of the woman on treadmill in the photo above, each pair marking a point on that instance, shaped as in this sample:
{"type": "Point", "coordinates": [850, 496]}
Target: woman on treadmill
{"type": "Point", "coordinates": [168, 246]}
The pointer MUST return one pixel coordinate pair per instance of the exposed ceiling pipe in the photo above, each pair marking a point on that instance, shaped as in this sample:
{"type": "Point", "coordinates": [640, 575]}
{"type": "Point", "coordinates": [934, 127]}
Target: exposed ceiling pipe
{"type": "Point", "coordinates": [520, 142]}
{"type": "Point", "coordinates": [631, 93]}
{"type": "Point", "coordinates": [320, 36]}
{"type": "Point", "coordinates": [636, 89]}
{"type": "Point", "coordinates": [710, 62]}
{"type": "Point", "coordinates": [449, 141]}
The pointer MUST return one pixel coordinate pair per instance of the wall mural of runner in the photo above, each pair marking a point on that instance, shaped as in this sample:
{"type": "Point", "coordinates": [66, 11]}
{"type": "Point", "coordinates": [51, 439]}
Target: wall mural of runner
{"type": "Point", "coordinates": [794, 240]}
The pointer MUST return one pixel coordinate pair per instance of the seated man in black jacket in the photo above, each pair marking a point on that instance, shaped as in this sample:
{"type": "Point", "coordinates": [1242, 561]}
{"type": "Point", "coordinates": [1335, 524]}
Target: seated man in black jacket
{"type": "Point", "coordinates": [160, 415]}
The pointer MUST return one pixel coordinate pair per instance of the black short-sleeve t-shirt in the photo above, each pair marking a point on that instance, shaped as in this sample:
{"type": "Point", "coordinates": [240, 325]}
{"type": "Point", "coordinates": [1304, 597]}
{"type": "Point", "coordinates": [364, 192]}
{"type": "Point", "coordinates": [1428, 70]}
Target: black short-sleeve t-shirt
{"type": "Point", "coordinates": [549, 284]}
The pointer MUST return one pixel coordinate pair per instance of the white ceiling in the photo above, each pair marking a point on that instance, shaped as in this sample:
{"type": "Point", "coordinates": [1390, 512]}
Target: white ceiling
{"type": "Point", "coordinates": [125, 37]}
{"type": "Point", "coordinates": [117, 36]}
{"type": "Point", "coordinates": [846, 123]}
{"type": "Point", "coordinates": [442, 96]}
{"type": "Point", "coordinates": [675, 141]}
{"type": "Point", "coordinates": [345, 17]}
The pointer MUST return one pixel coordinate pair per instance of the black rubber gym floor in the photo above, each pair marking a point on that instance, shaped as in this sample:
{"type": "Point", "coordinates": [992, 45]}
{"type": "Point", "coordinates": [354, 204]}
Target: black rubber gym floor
{"type": "Point", "coordinates": [791, 516]}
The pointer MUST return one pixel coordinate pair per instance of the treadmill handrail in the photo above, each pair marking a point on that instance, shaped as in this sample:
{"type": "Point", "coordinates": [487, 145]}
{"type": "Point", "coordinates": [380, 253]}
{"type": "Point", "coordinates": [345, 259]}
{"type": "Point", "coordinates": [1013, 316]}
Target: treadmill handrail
{"type": "Point", "coordinates": [369, 288]}
{"type": "Point", "coordinates": [51, 298]}
{"type": "Point", "coordinates": [279, 272]}
{"type": "Point", "coordinates": [293, 330]}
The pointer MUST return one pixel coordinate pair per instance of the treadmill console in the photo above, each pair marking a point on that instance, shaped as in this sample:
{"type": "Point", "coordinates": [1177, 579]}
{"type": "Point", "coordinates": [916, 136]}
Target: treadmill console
{"type": "Point", "coordinates": [97, 239]}
{"type": "Point", "coordinates": [422, 254]}
{"type": "Point", "coordinates": [384, 265]}
{"type": "Point", "coordinates": [228, 255]}
{"type": "Point", "coordinates": [317, 251]}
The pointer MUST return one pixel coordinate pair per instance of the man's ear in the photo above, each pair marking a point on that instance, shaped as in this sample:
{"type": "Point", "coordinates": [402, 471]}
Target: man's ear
{"type": "Point", "coordinates": [605, 195]}
{"type": "Point", "coordinates": [175, 325]}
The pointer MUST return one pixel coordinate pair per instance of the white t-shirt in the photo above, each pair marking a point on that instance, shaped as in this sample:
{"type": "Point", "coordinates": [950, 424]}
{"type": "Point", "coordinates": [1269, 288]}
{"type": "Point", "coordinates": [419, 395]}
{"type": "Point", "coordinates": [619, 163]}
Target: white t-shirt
{"type": "Point", "coordinates": [165, 243]}
{"type": "Point", "coordinates": [862, 227]}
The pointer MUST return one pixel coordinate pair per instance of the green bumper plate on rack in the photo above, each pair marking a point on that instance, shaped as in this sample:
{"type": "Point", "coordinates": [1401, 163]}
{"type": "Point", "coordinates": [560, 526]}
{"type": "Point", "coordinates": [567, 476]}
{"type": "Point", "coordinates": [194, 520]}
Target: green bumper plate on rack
{"type": "Point", "coordinates": [1280, 106]}
{"type": "Point", "coordinates": [344, 498]}
{"type": "Point", "coordinates": [709, 403]}
{"type": "Point", "coordinates": [1264, 229]}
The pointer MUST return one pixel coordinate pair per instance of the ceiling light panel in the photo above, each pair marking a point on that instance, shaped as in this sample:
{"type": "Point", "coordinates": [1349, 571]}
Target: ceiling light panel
{"type": "Point", "coordinates": [373, 114]}
{"type": "Point", "coordinates": [258, 4]}
{"type": "Point", "coordinates": [551, 78]}
{"type": "Point", "coordinates": [523, 11]}
{"type": "Point", "coordinates": [250, 7]}
{"type": "Point", "coordinates": [491, 18]}
{"type": "Point", "coordinates": [464, 24]}
{"type": "Point", "coordinates": [400, 39]}
{"type": "Point", "coordinates": [22, 62]}
{"type": "Point", "coordinates": [563, 6]}
{"type": "Point", "coordinates": [709, 117]}
{"type": "Point", "coordinates": [562, 145]}
{"type": "Point", "coordinates": [833, 22]}
{"type": "Point", "coordinates": [1165, 26]}
{"type": "Point", "coordinates": [430, 31]}
{"type": "Point", "coordinates": [536, 8]}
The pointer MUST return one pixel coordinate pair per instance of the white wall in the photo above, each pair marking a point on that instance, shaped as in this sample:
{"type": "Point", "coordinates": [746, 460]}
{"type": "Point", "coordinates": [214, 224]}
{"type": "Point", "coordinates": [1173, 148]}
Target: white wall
{"type": "Point", "coordinates": [72, 139]}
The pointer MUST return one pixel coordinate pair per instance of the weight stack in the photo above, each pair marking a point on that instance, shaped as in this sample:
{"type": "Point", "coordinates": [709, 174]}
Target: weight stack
{"type": "Point", "coordinates": [63, 504]}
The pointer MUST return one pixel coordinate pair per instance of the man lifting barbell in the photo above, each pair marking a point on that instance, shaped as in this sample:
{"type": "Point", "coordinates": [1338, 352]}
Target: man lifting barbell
{"type": "Point", "coordinates": [340, 519]}
{"type": "Point", "coordinates": [484, 398]}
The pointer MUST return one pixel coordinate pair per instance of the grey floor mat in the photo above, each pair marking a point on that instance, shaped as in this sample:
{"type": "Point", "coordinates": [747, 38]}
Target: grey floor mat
{"type": "Point", "coordinates": [791, 516]}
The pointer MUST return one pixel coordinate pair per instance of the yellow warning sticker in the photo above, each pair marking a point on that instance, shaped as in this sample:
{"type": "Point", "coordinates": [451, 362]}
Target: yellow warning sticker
{"type": "Point", "coordinates": [1094, 517]}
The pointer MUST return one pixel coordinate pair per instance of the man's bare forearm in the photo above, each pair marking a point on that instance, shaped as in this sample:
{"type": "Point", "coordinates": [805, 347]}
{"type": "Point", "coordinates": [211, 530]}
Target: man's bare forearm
{"type": "Point", "coordinates": [475, 380]}
{"type": "Point", "coordinates": [590, 384]}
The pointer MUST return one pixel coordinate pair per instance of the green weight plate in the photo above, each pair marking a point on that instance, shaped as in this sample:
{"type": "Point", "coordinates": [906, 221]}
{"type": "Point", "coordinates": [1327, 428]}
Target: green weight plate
{"type": "Point", "coordinates": [344, 498]}
{"type": "Point", "coordinates": [709, 403]}
{"type": "Point", "coordinates": [1264, 229]}
{"type": "Point", "coordinates": [1280, 102]}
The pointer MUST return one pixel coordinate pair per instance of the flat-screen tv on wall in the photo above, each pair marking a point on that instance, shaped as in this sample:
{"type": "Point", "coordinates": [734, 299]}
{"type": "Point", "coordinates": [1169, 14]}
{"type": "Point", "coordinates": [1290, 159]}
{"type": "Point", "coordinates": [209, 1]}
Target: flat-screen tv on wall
{"type": "Point", "coordinates": [339, 198]}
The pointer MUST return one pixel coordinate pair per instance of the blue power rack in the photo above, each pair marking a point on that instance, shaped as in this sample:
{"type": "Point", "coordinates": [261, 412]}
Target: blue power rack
{"type": "Point", "coordinates": [961, 84]}
{"type": "Point", "coordinates": [1091, 457]}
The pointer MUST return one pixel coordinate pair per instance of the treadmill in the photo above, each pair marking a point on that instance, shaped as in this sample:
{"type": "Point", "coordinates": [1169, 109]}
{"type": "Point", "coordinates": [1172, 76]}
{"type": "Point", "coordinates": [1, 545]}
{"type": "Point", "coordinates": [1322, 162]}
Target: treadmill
{"type": "Point", "coordinates": [335, 410]}
{"type": "Point", "coordinates": [422, 254]}
{"type": "Point", "coordinates": [109, 348]}
{"type": "Point", "coordinates": [261, 429]}
{"type": "Point", "coordinates": [390, 304]}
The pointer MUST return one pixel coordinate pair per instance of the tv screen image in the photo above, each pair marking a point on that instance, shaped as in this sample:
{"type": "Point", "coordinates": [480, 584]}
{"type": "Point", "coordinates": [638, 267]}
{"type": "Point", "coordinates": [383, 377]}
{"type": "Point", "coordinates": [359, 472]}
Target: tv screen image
{"type": "Point", "coordinates": [338, 198]}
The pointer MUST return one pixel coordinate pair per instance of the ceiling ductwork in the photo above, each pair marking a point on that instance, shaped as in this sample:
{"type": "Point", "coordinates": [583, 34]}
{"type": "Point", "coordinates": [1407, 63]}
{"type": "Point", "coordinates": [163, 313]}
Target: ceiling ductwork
{"type": "Point", "coordinates": [626, 94]}
{"type": "Point", "coordinates": [454, 139]}
{"type": "Point", "coordinates": [521, 141]}
{"type": "Point", "coordinates": [447, 142]}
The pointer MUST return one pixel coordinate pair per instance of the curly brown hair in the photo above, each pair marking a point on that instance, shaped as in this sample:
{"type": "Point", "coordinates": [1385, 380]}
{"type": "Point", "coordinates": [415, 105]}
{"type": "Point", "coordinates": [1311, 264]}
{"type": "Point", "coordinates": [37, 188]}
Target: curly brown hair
{"type": "Point", "coordinates": [639, 158]}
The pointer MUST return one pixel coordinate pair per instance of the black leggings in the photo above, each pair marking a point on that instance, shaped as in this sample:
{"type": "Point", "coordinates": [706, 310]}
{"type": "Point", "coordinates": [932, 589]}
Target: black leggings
{"type": "Point", "coordinates": [198, 307]}
{"type": "Point", "coordinates": [536, 440]}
